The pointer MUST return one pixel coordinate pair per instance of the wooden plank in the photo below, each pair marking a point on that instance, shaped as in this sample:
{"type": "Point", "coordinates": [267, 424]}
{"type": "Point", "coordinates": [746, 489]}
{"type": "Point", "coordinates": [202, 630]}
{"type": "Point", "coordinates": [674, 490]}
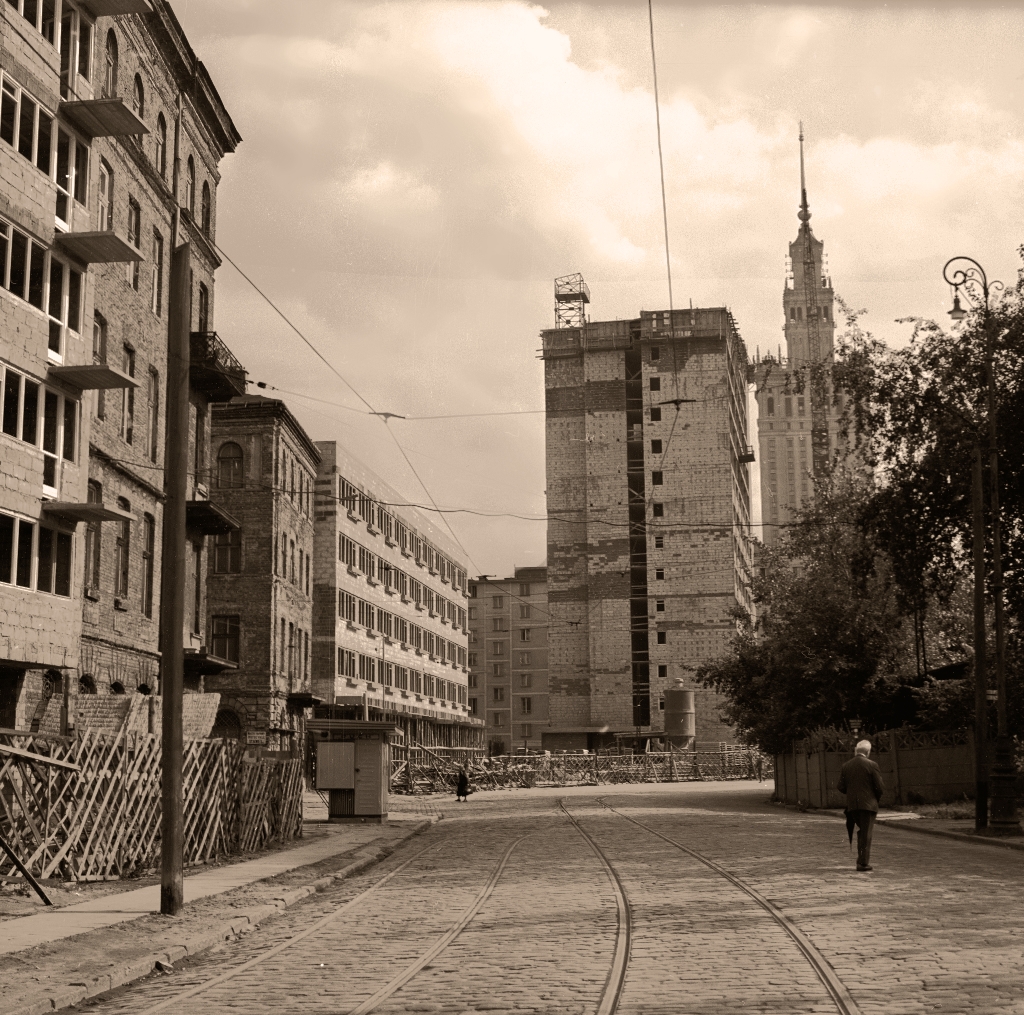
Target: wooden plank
{"type": "Point", "coordinates": [17, 752]}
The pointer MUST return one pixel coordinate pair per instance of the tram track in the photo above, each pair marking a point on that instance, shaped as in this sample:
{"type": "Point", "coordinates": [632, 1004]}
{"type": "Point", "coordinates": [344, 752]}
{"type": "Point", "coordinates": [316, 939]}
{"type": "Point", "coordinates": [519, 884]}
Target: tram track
{"type": "Point", "coordinates": [393, 985]}
{"type": "Point", "coordinates": [822, 968]}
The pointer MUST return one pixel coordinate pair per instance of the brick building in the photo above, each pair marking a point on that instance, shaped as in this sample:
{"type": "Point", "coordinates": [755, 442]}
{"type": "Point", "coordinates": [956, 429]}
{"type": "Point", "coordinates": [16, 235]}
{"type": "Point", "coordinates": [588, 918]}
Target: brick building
{"type": "Point", "coordinates": [260, 612]}
{"type": "Point", "coordinates": [89, 214]}
{"type": "Point", "coordinates": [648, 517]}
{"type": "Point", "coordinates": [146, 62]}
{"type": "Point", "coordinates": [390, 627]}
{"type": "Point", "coordinates": [508, 658]}
{"type": "Point", "coordinates": [798, 412]}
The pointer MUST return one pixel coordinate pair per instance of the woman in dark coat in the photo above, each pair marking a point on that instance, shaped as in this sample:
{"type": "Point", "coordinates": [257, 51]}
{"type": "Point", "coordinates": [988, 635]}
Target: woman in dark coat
{"type": "Point", "coordinates": [462, 790]}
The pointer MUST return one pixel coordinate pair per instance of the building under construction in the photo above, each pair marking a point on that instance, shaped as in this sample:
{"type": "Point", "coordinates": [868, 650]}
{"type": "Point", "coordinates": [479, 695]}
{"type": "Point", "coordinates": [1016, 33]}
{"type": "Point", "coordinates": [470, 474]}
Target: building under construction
{"type": "Point", "coordinates": [648, 494]}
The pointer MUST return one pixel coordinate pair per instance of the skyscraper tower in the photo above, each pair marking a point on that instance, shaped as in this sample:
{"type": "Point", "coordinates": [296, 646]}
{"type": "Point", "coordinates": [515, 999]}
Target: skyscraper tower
{"type": "Point", "coordinates": [797, 417]}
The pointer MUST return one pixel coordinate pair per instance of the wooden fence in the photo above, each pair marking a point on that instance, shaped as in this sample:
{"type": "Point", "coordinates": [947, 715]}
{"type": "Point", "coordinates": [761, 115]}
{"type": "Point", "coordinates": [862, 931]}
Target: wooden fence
{"type": "Point", "coordinates": [91, 809]}
{"type": "Point", "coordinates": [917, 767]}
{"type": "Point", "coordinates": [426, 770]}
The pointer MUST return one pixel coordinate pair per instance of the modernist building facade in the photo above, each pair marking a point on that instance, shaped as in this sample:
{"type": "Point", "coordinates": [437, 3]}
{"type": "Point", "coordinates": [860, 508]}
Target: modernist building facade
{"type": "Point", "coordinates": [799, 413]}
{"type": "Point", "coordinates": [648, 493]}
{"type": "Point", "coordinates": [508, 659]}
{"type": "Point", "coordinates": [260, 612]}
{"type": "Point", "coordinates": [390, 626]}
{"type": "Point", "coordinates": [91, 205]}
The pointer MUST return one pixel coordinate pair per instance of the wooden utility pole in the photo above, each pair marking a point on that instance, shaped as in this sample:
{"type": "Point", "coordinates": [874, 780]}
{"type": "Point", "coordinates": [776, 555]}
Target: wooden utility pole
{"type": "Point", "coordinates": [172, 584]}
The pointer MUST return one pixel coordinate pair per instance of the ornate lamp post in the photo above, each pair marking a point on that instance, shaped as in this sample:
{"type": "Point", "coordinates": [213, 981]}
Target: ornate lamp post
{"type": "Point", "coordinates": [966, 276]}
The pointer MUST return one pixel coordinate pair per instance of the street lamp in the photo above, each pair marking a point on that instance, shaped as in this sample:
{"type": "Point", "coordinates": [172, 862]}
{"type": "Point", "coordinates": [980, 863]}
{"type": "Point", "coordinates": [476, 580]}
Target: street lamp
{"type": "Point", "coordinates": [965, 275]}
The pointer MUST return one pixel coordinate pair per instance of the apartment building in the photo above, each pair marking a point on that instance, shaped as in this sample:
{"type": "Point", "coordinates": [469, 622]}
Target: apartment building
{"type": "Point", "coordinates": [648, 498]}
{"type": "Point", "coordinates": [390, 627]}
{"type": "Point", "coordinates": [508, 659]}
{"type": "Point", "coordinates": [97, 97]}
{"type": "Point", "coordinates": [260, 612]}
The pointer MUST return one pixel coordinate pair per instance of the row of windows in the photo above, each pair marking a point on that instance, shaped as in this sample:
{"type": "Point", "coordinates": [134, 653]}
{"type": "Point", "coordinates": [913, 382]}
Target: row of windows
{"type": "Point", "coordinates": [354, 610]}
{"type": "Point", "coordinates": [36, 276]}
{"type": "Point", "coordinates": [33, 132]}
{"type": "Point", "coordinates": [498, 602]}
{"type": "Point", "coordinates": [796, 313]}
{"type": "Point", "coordinates": [498, 719]}
{"type": "Point", "coordinates": [373, 670]}
{"type": "Point", "coordinates": [525, 659]}
{"type": "Point", "coordinates": [60, 24]}
{"type": "Point", "coordinates": [46, 419]}
{"type": "Point", "coordinates": [800, 405]}
{"type": "Point", "coordinates": [394, 579]}
{"type": "Point", "coordinates": [298, 483]}
{"type": "Point", "coordinates": [360, 504]}
{"type": "Point", "coordinates": [33, 556]}
{"type": "Point", "coordinates": [295, 566]}
{"type": "Point", "coordinates": [525, 704]}
{"type": "Point", "coordinates": [122, 554]}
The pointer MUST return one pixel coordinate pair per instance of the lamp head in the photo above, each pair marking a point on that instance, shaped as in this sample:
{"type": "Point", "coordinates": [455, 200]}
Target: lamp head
{"type": "Point", "coordinates": [957, 313]}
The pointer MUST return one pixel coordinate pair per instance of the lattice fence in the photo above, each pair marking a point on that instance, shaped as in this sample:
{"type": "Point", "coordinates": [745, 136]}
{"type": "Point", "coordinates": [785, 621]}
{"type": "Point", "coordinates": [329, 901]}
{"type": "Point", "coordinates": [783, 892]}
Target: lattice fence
{"type": "Point", "coordinates": [101, 818]}
{"type": "Point", "coordinates": [427, 771]}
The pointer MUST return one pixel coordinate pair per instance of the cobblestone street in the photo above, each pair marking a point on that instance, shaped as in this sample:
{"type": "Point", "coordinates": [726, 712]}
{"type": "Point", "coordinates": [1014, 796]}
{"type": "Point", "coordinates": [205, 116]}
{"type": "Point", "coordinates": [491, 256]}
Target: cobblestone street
{"type": "Point", "coordinates": [504, 906]}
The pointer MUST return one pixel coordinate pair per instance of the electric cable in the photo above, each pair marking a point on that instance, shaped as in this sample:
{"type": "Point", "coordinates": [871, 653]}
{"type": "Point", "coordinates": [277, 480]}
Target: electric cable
{"type": "Point", "coordinates": [661, 159]}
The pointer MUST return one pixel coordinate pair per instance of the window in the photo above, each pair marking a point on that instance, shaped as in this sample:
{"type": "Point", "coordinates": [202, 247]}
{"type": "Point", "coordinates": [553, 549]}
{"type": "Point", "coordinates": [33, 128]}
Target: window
{"type": "Point", "coordinates": [122, 549]}
{"type": "Point", "coordinates": [657, 478]}
{"type": "Point", "coordinates": [499, 720]}
{"type": "Point", "coordinates": [498, 602]}
{"type": "Point", "coordinates": [658, 510]}
{"type": "Point", "coordinates": [655, 352]}
{"type": "Point", "coordinates": [25, 125]}
{"type": "Point", "coordinates": [659, 542]}
{"type": "Point", "coordinates": [205, 209]}
{"type": "Point", "coordinates": [525, 679]}
{"type": "Point", "coordinates": [138, 98]}
{"type": "Point", "coordinates": [190, 187]}
{"type": "Point", "coordinates": [148, 557]}
{"type": "Point", "coordinates": [225, 637]}
{"type": "Point", "coordinates": [21, 419]}
{"type": "Point", "coordinates": [663, 672]}
{"type": "Point", "coordinates": [655, 384]}
{"type": "Point", "coordinates": [800, 405]}
{"type": "Point", "coordinates": [135, 239]}
{"type": "Point", "coordinates": [771, 406]}
{"type": "Point", "coordinates": [662, 637]}
{"type": "Point", "coordinates": [227, 552]}
{"type": "Point", "coordinates": [524, 591]}
{"type": "Point", "coordinates": [128, 398]}
{"type": "Point", "coordinates": [160, 155]}
{"type": "Point", "coordinates": [229, 467]}
{"type": "Point", "coordinates": [499, 693]}
{"type": "Point", "coordinates": [53, 561]}
{"type": "Point", "coordinates": [524, 611]}
{"type": "Point", "coordinates": [659, 606]}
{"type": "Point", "coordinates": [105, 197]}
{"type": "Point", "coordinates": [498, 624]}
{"type": "Point", "coordinates": [51, 557]}
{"type": "Point", "coordinates": [789, 406]}
{"type": "Point", "coordinates": [153, 415]}
{"type": "Point", "coordinates": [204, 307]}
{"type": "Point", "coordinates": [497, 648]}
{"type": "Point", "coordinates": [110, 68]}
{"type": "Point", "coordinates": [655, 415]}
{"type": "Point", "coordinates": [525, 706]}
{"type": "Point", "coordinates": [525, 634]}
{"type": "Point", "coordinates": [158, 274]}
{"type": "Point", "coordinates": [92, 540]}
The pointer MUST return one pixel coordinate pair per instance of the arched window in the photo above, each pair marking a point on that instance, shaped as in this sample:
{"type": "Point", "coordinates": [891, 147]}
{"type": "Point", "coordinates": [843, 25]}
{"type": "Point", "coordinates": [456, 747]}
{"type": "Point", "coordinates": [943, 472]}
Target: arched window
{"type": "Point", "coordinates": [116, 687]}
{"type": "Point", "coordinates": [206, 209]}
{"type": "Point", "coordinates": [105, 197]}
{"type": "Point", "coordinates": [138, 98]}
{"type": "Point", "coordinates": [161, 146]}
{"type": "Point", "coordinates": [110, 71]}
{"type": "Point", "coordinates": [229, 467]}
{"type": "Point", "coordinates": [86, 684]}
{"type": "Point", "coordinates": [771, 406]}
{"type": "Point", "coordinates": [190, 187]}
{"type": "Point", "coordinates": [204, 307]}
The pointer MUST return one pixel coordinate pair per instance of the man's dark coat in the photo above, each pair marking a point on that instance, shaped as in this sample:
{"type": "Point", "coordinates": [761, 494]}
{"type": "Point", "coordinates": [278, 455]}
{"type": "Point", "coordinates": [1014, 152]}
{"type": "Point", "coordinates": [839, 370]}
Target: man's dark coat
{"type": "Point", "coordinates": [861, 781]}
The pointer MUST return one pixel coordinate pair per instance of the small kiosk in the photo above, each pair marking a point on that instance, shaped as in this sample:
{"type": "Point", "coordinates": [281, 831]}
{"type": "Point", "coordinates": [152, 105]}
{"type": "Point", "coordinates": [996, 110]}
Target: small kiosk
{"type": "Point", "coordinates": [353, 764]}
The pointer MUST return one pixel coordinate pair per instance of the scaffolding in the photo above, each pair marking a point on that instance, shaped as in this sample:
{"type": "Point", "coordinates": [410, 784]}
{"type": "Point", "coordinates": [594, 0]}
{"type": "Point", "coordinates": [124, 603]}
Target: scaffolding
{"type": "Point", "coordinates": [571, 297]}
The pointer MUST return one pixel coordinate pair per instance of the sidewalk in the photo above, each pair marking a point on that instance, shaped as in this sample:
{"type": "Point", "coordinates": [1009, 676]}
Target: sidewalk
{"type": "Point", "coordinates": [60, 956]}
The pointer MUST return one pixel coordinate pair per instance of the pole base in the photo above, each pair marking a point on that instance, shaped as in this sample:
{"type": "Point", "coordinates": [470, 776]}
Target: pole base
{"type": "Point", "coordinates": [1003, 819]}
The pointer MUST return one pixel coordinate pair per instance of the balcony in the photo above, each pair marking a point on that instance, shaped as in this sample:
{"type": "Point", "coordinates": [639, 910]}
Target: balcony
{"type": "Point", "coordinates": [102, 118]}
{"type": "Point", "coordinates": [213, 369]}
{"type": "Point", "coordinates": [92, 377]}
{"type": "Point", "coordinates": [204, 518]}
{"type": "Point", "coordinates": [97, 247]}
{"type": "Point", "coordinates": [112, 8]}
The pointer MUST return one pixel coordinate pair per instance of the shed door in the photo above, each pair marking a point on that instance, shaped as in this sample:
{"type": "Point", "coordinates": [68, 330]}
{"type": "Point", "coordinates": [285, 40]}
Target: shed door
{"type": "Point", "coordinates": [369, 776]}
{"type": "Point", "coordinates": [335, 765]}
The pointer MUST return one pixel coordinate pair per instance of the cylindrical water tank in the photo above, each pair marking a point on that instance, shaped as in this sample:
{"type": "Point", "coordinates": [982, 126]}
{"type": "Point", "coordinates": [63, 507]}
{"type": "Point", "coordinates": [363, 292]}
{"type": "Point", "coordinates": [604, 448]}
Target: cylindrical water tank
{"type": "Point", "coordinates": [680, 716]}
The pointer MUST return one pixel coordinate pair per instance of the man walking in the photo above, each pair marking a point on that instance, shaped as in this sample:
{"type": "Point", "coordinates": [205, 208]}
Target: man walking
{"type": "Point", "coordinates": [861, 781]}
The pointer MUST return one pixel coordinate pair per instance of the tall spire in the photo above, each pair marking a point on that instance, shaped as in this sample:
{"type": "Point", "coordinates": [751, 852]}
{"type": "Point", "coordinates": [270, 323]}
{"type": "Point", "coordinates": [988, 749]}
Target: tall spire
{"type": "Point", "coordinates": [804, 214]}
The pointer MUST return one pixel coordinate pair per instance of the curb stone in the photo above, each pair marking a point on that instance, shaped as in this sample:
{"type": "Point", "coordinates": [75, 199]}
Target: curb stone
{"type": "Point", "coordinates": [243, 922]}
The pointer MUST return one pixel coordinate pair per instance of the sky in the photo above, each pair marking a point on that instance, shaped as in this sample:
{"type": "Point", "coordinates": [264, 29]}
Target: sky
{"type": "Point", "coordinates": [413, 176]}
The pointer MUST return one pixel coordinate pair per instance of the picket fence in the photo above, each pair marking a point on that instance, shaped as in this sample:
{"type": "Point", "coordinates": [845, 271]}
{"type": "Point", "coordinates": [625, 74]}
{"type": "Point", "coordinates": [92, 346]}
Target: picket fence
{"type": "Point", "coordinates": [91, 810]}
{"type": "Point", "coordinates": [427, 770]}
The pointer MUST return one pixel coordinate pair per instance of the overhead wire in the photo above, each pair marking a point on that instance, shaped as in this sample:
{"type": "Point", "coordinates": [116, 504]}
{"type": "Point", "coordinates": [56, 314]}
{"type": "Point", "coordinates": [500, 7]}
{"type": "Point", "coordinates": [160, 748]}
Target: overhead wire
{"type": "Point", "coordinates": [661, 159]}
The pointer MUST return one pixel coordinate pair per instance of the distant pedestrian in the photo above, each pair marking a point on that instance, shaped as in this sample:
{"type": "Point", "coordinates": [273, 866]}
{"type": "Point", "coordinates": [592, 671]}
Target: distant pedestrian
{"type": "Point", "coordinates": [861, 781]}
{"type": "Point", "coordinates": [462, 790]}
